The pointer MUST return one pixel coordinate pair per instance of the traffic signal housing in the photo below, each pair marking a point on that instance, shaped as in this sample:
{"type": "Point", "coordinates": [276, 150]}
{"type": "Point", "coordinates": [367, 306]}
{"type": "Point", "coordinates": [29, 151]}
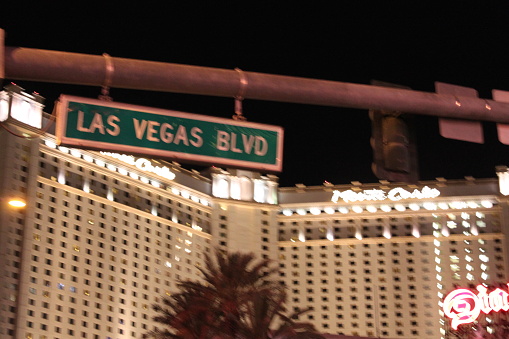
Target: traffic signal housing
{"type": "Point", "coordinates": [394, 148]}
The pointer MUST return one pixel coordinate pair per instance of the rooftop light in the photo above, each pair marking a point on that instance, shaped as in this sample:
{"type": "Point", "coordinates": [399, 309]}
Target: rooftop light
{"type": "Point", "coordinates": [414, 207]}
{"type": "Point", "coordinates": [357, 209]}
{"type": "Point", "coordinates": [15, 103]}
{"type": "Point", "coordinates": [486, 204]}
{"type": "Point", "coordinates": [314, 210]}
{"type": "Point", "coordinates": [329, 210]}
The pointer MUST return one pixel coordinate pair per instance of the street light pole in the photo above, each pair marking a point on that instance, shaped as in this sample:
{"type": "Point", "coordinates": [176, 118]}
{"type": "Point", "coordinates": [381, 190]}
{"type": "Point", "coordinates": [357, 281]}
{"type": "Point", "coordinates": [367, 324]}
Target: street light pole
{"type": "Point", "coordinates": [92, 70]}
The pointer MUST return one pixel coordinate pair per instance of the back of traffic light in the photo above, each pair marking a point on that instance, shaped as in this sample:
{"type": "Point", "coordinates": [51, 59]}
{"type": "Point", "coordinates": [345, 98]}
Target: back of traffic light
{"type": "Point", "coordinates": [394, 147]}
{"type": "Point", "coordinates": [393, 143]}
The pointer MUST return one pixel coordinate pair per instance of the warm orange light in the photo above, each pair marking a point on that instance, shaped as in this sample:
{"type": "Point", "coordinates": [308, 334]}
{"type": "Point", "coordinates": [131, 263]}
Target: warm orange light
{"type": "Point", "coordinates": [18, 203]}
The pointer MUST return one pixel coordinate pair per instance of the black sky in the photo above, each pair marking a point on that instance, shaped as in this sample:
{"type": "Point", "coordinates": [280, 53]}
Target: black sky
{"type": "Point", "coordinates": [409, 43]}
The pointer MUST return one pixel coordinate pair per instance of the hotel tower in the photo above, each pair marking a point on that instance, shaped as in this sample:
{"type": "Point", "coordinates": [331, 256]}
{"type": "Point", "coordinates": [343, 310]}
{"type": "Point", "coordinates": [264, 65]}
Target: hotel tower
{"type": "Point", "coordinates": [103, 236]}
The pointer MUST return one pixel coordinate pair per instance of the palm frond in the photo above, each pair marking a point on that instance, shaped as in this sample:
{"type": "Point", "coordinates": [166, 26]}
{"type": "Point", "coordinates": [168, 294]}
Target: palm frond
{"type": "Point", "coordinates": [236, 299]}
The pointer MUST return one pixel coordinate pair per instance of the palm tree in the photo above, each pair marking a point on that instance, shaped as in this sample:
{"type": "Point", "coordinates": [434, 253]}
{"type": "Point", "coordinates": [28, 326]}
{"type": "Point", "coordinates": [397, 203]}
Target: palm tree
{"type": "Point", "coordinates": [236, 299]}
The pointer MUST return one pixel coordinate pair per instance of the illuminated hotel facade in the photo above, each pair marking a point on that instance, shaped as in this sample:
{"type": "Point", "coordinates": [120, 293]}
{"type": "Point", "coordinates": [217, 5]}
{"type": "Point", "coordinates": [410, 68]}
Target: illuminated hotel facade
{"type": "Point", "coordinates": [105, 236]}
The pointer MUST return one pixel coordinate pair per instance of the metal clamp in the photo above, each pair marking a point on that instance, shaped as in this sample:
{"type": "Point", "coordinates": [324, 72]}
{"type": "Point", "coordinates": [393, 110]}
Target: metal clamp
{"type": "Point", "coordinates": [105, 91]}
{"type": "Point", "coordinates": [240, 96]}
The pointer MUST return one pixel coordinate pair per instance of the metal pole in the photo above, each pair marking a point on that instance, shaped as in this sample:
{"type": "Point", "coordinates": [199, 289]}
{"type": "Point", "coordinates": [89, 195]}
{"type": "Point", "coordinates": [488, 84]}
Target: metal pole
{"type": "Point", "coordinates": [82, 69]}
{"type": "Point", "coordinates": [2, 52]}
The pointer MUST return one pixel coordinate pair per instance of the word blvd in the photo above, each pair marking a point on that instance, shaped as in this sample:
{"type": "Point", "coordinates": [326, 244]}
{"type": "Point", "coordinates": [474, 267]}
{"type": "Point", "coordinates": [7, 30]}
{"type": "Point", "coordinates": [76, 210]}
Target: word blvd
{"type": "Point", "coordinates": [241, 144]}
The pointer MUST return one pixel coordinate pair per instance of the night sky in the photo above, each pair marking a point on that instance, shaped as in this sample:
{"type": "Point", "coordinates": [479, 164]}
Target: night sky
{"type": "Point", "coordinates": [408, 43]}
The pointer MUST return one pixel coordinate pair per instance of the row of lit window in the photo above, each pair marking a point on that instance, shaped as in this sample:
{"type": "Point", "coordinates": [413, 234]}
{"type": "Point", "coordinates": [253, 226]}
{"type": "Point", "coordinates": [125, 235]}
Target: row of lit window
{"type": "Point", "coordinates": [353, 254]}
{"type": "Point", "coordinates": [365, 263]}
{"type": "Point", "coordinates": [429, 206]}
{"type": "Point", "coordinates": [101, 163]}
{"type": "Point", "coordinates": [356, 246]}
{"type": "Point", "coordinates": [193, 222]}
{"type": "Point", "coordinates": [314, 249]}
{"type": "Point", "coordinates": [78, 217]}
{"type": "Point", "coordinates": [126, 193]}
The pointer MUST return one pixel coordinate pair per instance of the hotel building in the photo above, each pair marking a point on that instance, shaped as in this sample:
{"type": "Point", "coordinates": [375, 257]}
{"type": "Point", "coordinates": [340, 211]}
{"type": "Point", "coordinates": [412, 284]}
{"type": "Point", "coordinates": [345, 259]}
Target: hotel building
{"type": "Point", "coordinates": [104, 236]}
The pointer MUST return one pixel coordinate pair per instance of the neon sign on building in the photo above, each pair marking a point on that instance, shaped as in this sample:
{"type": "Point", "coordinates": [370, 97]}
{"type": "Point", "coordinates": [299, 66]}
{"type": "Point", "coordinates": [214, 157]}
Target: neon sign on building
{"type": "Point", "coordinates": [463, 306]}
{"type": "Point", "coordinates": [143, 164]}
{"type": "Point", "coordinates": [395, 194]}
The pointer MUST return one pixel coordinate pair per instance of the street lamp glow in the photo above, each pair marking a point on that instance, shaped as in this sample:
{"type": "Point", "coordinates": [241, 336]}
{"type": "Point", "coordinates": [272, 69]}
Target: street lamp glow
{"type": "Point", "coordinates": [18, 203]}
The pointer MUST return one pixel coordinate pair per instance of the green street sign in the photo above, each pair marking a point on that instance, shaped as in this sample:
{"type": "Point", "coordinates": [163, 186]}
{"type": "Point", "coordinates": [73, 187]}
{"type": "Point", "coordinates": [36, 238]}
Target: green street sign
{"type": "Point", "coordinates": [185, 137]}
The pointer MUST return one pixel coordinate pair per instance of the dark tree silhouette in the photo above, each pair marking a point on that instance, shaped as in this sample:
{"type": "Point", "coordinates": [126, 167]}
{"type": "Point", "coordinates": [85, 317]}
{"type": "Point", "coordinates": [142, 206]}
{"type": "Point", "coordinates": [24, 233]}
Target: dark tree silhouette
{"type": "Point", "coordinates": [236, 299]}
